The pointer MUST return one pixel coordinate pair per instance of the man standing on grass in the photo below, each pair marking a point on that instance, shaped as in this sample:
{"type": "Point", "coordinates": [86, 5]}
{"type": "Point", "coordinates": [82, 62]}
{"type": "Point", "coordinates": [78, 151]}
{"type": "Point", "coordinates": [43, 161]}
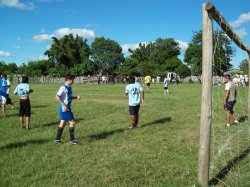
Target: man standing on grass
{"type": "Point", "coordinates": [230, 99]}
{"type": "Point", "coordinates": [136, 96]}
{"type": "Point", "coordinates": [23, 90]}
{"type": "Point", "coordinates": [64, 97]}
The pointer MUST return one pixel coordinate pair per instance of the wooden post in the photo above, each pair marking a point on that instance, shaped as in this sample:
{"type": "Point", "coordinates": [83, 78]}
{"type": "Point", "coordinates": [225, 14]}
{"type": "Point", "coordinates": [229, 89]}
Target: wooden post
{"type": "Point", "coordinates": [226, 27]}
{"type": "Point", "coordinates": [206, 99]}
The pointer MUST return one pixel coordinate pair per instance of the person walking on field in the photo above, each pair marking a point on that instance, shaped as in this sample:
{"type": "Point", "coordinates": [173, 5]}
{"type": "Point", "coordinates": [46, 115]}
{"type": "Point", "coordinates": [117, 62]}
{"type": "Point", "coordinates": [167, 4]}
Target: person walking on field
{"type": "Point", "coordinates": [64, 97]}
{"type": "Point", "coordinates": [135, 94]}
{"type": "Point", "coordinates": [23, 90]}
{"type": "Point", "coordinates": [165, 85]}
{"type": "Point", "coordinates": [147, 81]}
{"type": "Point", "coordinates": [230, 99]}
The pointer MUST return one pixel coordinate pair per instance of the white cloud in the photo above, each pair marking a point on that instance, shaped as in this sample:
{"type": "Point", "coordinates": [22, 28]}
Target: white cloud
{"type": "Point", "coordinates": [182, 45]}
{"type": "Point", "coordinates": [244, 18]}
{"type": "Point", "coordinates": [16, 4]}
{"type": "Point", "coordinates": [84, 33]}
{"type": "Point", "coordinates": [125, 47]}
{"type": "Point", "coordinates": [36, 58]}
{"type": "Point", "coordinates": [42, 37]}
{"type": "Point", "coordinates": [4, 54]}
{"type": "Point", "coordinates": [241, 32]}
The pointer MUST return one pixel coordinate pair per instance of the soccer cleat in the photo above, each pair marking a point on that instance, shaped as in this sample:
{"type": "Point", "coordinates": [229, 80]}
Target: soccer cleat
{"type": "Point", "coordinates": [228, 124]}
{"type": "Point", "coordinates": [74, 142]}
{"type": "Point", "coordinates": [236, 122]}
{"type": "Point", "coordinates": [132, 127]}
{"type": "Point", "coordinates": [57, 141]}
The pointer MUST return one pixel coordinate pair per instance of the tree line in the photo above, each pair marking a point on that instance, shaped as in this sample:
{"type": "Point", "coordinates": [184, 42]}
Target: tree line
{"type": "Point", "coordinates": [104, 56]}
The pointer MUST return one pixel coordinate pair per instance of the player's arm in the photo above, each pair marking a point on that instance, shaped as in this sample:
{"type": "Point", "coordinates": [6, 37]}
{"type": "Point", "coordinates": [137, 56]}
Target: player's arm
{"type": "Point", "coordinates": [58, 99]}
{"type": "Point", "coordinates": [126, 92]}
{"type": "Point", "coordinates": [226, 96]}
{"type": "Point", "coordinates": [76, 97]}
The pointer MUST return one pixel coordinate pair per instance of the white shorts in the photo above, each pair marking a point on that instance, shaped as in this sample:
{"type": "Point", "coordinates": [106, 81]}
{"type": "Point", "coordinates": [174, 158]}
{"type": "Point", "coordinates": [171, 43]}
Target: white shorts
{"type": "Point", "coordinates": [3, 100]}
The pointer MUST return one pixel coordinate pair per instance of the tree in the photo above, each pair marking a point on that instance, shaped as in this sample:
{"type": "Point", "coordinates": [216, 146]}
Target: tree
{"type": "Point", "coordinates": [223, 53]}
{"type": "Point", "coordinates": [244, 66]}
{"type": "Point", "coordinates": [183, 71]}
{"type": "Point", "coordinates": [164, 49]}
{"type": "Point", "coordinates": [129, 67]}
{"type": "Point", "coordinates": [107, 55]}
{"type": "Point", "coordinates": [68, 51]}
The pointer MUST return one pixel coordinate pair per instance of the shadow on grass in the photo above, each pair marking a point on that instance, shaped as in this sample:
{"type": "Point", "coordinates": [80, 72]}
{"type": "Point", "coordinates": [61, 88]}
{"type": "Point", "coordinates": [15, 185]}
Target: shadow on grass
{"type": "Point", "coordinates": [227, 168]}
{"type": "Point", "coordinates": [243, 119]}
{"type": "Point", "coordinates": [104, 135]}
{"type": "Point", "coordinates": [159, 121]}
{"type": "Point", "coordinates": [39, 106]}
{"type": "Point", "coordinates": [22, 144]}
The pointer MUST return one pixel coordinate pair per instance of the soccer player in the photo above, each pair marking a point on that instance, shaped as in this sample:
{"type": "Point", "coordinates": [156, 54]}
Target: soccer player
{"type": "Point", "coordinates": [7, 84]}
{"type": "Point", "coordinates": [165, 85]}
{"type": "Point", "coordinates": [229, 99]}
{"type": "Point", "coordinates": [23, 90]}
{"type": "Point", "coordinates": [136, 96]}
{"type": "Point", "coordinates": [64, 97]}
{"type": "Point", "coordinates": [147, 81]}
{"type": "Point", "coordinates": [3, 93]}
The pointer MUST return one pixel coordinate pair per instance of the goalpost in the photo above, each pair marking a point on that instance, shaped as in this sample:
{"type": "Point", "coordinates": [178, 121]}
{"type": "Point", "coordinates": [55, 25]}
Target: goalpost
{"type": "Point", "coordinates": [210, 13]}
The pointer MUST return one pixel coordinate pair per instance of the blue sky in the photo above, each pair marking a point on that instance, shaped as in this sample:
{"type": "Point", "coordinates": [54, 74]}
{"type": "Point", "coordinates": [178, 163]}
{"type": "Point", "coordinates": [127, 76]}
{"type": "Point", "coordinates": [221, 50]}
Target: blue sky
{"type": "Point", "coordinates": [28, 25]}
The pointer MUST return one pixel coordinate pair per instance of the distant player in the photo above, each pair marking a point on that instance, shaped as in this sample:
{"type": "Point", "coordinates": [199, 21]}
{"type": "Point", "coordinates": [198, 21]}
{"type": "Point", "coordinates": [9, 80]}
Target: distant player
{"type": "Point", "coordinates": [23, 90]}
{"type": "Point", "coordinates": [7, 84]}
{"type": "Point", "coordinates": [64, 98]}
{"type": "Point", "coordinates": [3, 91]}
{"type": "Point", "coordinates": [230, 99]}
{"type": "Point", "coordinates": [136, 96]}
{"type": "Point", "coordinates": [165, 85]}
{"type": "Point", "coordinates": [147, 81]}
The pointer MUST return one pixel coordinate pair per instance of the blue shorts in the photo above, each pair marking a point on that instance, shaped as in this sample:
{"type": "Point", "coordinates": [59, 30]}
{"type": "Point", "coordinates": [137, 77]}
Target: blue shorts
{"type": "Point", "coordinates": [66, 116]}
{"type": "Point", "coordinates": [229, 106]}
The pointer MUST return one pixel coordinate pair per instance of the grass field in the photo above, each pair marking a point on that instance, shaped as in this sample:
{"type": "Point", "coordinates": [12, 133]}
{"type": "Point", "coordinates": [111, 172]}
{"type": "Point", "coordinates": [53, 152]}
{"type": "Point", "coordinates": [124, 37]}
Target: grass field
{"type": "Point", "coordinates": [163, 151]}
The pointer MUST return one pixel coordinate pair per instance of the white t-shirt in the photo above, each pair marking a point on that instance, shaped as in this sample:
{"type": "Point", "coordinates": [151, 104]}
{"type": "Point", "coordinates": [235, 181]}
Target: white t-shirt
{"type": "Point", "coordinates": [231, 87]}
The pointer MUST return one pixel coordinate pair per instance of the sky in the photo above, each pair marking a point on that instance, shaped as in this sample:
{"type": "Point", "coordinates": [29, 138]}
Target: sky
{"type": "Point", "coordinates": [28, 25]}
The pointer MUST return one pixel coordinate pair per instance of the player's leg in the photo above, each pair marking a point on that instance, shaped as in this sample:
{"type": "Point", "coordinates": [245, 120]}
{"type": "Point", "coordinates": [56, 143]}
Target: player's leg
{"type": "Point", "coordinates": [21, 122]}
{"type": "Point", "coordinates": [228, 118]}
{"type": "Point", "coordinates": [72, 132]}
{"type": "Point", "coordinates": [21, 113]}
{"type": "Point", "coordinates": [3, 103]}
{"type": "Point", "coordinates": [137, 108]}
{"type": "Point", "coordinates": [60, 131]}
{"type": "Point", "coordinates": [27, 110]}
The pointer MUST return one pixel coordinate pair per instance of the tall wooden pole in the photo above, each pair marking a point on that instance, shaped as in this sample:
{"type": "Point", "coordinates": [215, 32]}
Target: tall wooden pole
{"type": "Point", "coordinates": [206, 99]}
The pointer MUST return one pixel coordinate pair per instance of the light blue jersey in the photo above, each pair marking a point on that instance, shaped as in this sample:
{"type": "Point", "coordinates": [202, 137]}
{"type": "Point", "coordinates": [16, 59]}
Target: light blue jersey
{"type": "Point", "coordinates": [65, 94]}
{"type": "Point", "coordinates": [134, 94]}
{"type": "Point", "coordinates": [165, 82]}
{"type": "Point", "coordinates": [22, 89]}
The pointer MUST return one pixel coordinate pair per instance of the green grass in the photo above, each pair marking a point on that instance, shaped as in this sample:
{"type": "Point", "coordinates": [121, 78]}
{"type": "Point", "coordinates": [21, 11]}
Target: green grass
{"type": "Point", "coordinates": [163, 151]}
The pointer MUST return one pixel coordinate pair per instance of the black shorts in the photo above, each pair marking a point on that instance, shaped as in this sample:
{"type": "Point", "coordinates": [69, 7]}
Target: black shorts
{"type": "Point", "coordinates": [24, 108]}
{"type": "Point", "coordinates": [133, 110]}
{"type": "Point", "coordinates": [165, 88]}
{"type": "Point", "coordinates": [229, 106]}
{"type": "Point", "coordinates": [148, 84]}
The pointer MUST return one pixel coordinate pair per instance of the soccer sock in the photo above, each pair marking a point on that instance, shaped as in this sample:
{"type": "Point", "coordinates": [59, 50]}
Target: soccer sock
{"type": "Point", "coordinates": [136, 120]}
{"type": "Point", "coordinates": [71, 133]}
{"type": "Point", "coordinates": [133, 121]}
{"type": "Point", "coordinates": [59, 133]}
